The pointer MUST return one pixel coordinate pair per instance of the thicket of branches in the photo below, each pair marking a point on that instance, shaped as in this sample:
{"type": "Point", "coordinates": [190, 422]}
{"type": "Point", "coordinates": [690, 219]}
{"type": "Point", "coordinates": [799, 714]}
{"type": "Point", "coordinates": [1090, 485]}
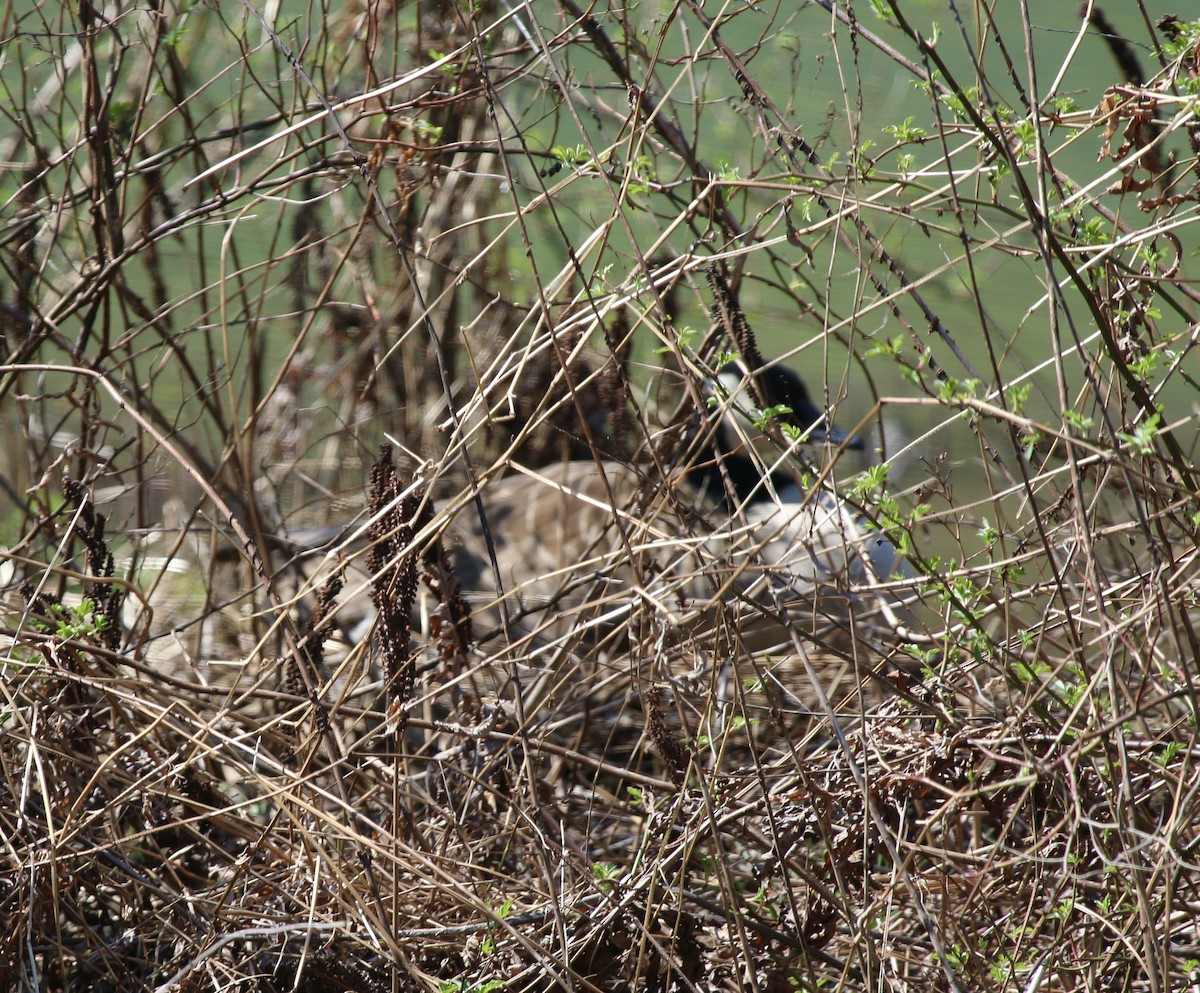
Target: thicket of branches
{"type": "Point", "coordinates": [275, 271]}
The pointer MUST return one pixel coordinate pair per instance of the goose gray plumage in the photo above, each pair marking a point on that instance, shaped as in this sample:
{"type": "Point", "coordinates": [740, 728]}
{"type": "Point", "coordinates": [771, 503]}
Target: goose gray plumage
{"type": "Point", "coordinates": [592, 555]}
{"type": "Point", "coordinates": [589, 548]}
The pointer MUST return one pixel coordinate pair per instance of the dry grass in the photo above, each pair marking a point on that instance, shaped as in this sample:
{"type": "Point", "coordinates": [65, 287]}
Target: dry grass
{"type": "Point", "coordinates": [374, 267]}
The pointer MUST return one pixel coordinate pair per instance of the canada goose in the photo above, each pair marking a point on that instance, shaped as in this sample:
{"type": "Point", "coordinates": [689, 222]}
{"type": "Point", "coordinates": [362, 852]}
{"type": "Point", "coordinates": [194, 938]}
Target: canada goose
{"type": "Point", "coordinates": [597, 545]}
{"type": "Point", "coordinates": [598, 553]}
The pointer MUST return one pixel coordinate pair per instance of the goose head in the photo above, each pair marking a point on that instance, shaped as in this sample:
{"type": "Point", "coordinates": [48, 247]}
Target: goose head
{"type": "Point", "coordinates": [808, 539]}
{"type": "Point", "coordinates": [780, 386]}
{"type": "Point", "coordinates": [729, 452]}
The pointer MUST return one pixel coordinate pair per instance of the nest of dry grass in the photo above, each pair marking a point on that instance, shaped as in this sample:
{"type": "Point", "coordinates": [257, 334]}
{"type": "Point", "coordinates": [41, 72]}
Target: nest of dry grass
{"type": "Point", "coordinates": [294, 826]}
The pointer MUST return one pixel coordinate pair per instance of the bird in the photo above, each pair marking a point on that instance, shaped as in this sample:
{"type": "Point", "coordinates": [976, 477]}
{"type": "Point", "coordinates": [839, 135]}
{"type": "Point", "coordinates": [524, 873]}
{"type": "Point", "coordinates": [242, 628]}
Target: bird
{"type": "Point", "coordinates": [699, 569]}
{"type": "Point", "coordinates": [592, 556]}
{"type": "Point", "coordinates": [594, 546]}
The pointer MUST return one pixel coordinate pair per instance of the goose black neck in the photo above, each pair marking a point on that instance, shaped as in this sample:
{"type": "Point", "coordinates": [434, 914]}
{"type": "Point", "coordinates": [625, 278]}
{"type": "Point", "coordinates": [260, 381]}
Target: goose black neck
{"type": "Point", "coordinates": [723, 456]}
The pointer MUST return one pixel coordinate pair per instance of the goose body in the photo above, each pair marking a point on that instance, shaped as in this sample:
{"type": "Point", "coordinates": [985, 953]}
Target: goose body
{"type": "Point", "coordinates": [606, 570]}
{"type": "Point", "coordinates": [595, 554]}
{"type": "Point", "coordinates": [586, 550]}
{"type": "Point", "coordinates": [603, 552]}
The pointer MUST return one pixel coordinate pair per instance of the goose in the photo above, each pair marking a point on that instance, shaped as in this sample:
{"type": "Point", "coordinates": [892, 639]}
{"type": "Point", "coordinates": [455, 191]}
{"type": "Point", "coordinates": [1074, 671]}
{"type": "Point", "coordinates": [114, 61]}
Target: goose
{"type": "Point", "coordinates": [610, 570]}
{"type": "Point", "coordinates": [593, 546]}
{"type": "Point", "coordinates": [593, 555]}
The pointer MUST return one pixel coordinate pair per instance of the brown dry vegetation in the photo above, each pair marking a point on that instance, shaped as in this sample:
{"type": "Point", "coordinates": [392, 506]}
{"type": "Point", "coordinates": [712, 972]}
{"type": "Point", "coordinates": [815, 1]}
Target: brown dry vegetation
{"type": "Point", "coordinates": [270, 269]}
